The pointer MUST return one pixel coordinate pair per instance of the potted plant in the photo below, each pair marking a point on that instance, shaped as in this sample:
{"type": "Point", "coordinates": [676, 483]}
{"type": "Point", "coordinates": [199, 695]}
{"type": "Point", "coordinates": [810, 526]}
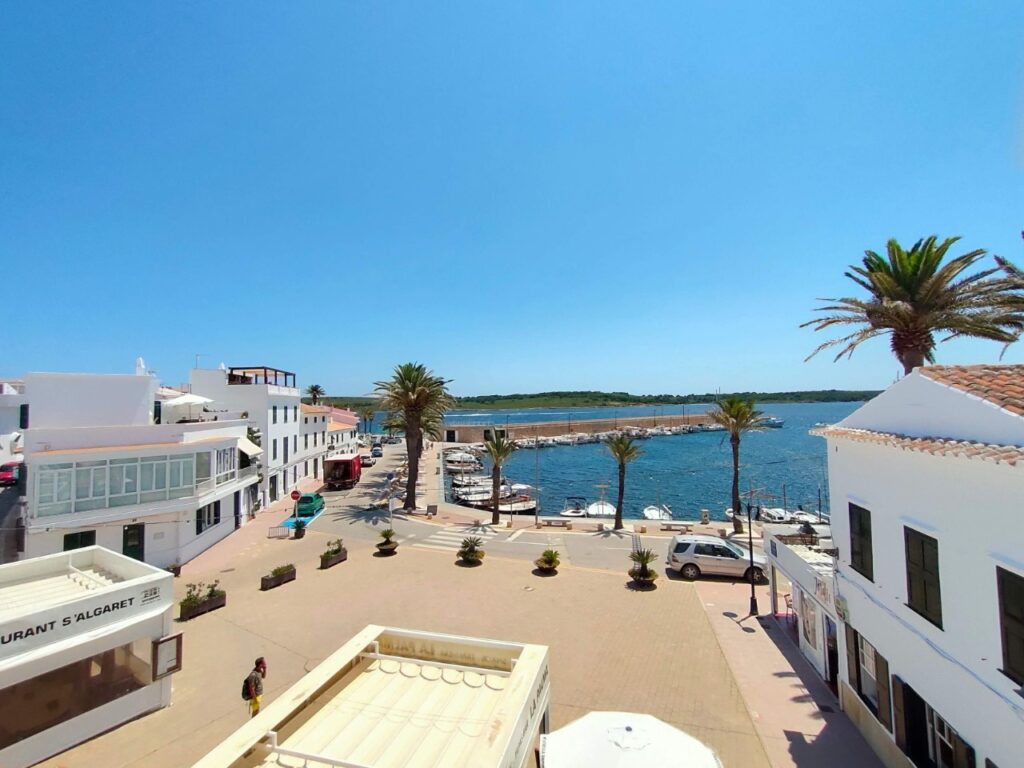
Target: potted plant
{"type": "Point", "coordinates": [299, 528]}
{"type": "Point", "coordinates": [548, 561]}
{"type": "Point", "coordinates": [641, 572]}
{"type": "Point", "coordinates": [471, 552]}
{"type": "Point", "coordinates": [201, 598]}
{"type": "Point", "coordinates": [387, 546]}
{"type": "Point", "coordinates": [334, 554]}
{"type": "Point", "coordinates": [278, 576]}
{"type": "Point", "coordinates": [175, 568]}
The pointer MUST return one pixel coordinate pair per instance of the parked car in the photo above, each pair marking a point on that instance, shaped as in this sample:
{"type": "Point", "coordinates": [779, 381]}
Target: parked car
{"type": "Point", "coordinates": [309, 504]}
{"type": "Point", "coordinates": [695, 556]}
{"type": "Point", "coordinates": [9, 473]}
{"type": "Point", "coordinates": [367, 461]}
{"type": "Point", "coordinates": [377, 452]}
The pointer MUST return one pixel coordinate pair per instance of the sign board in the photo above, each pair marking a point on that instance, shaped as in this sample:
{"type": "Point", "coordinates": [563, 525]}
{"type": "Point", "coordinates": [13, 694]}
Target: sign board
{"type": "Point", "coordinates": [296, 495]}
{"type": "Point", "coordinates": [166, 656]}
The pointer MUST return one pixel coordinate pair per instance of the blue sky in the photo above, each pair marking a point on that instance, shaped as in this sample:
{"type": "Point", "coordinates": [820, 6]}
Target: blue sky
{"type": "Point", "coordinates": [631, 196]}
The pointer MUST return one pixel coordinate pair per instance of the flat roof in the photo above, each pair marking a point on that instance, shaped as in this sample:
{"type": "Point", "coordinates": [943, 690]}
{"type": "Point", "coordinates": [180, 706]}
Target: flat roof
{"type": "Point", "coordinates": [392, 698]}
{"type": "Point", "coordinates": [134, 447]}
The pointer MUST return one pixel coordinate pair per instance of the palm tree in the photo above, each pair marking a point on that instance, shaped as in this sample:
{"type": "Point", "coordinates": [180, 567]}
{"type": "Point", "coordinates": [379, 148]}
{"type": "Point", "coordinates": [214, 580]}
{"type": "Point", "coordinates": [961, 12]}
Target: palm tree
{"type": "Point", "coordinates": [315, 392]}
{"type": "Point", "coordinates": [737, 415]}
{"type": "Point", "coordinates": [912, 296]}
{"type": "Point", "coordinates": [623, 450]}
{"type": "Point", "coordinates": [499, 448]}
{"type": "Point", "coordinates": [367, 414]}
{"type": "Point", "coordinates": [421, 398]}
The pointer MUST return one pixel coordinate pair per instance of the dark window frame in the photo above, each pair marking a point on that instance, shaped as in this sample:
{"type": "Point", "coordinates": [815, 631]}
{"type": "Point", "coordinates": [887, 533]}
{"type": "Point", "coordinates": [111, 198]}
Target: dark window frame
{"type": "Point", "coordinates": [1011, 624]}
{"type": "Point", "coordinates": [861, 554]}
{"type": "Point", "coordinates": [273, 410]}
{"type": "Point", "coordinates": [924, 588]}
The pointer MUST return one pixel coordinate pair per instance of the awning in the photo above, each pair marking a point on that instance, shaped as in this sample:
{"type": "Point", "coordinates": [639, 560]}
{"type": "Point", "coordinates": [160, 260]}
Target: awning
{"type": "Point", "coordinates": [248, 447]}
{"type": "Point", "coordinates": [187, 399]}
{"type": "Point", "coordinates": [623, 740]}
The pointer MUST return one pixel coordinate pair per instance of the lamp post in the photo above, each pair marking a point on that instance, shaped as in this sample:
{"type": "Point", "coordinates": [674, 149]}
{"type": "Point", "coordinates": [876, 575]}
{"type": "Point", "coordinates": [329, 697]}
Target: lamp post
{"type": "Point", "coordinates": [750, 570]}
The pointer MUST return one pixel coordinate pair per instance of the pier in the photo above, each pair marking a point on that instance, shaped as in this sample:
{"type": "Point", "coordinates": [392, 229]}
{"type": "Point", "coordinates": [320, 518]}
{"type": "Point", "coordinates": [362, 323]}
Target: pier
{"type": "Point", "coordinates": [475, 433]}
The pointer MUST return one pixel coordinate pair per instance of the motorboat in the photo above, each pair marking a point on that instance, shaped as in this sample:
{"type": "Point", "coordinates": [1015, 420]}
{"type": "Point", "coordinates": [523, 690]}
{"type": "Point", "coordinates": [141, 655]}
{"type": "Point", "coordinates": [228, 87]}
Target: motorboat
{"type": "Point", "coordinates": [462, 480]}
{"type": "Point", "coordinates": [657, 512]}
{"type": "Point", "coordinates": [772, 422]}
{"type": "Point", "coordinates": [601, 509]}
{"type": "Point", "coordinates": [510, 505]}
{"type": "Point", "coordinates": [800, 516]}
{"type": "Point", "coordinates": [475, 495]}
{"type": "Point", "coordinates": [775, 515]}
{"type": "Point", "coordinates": [575, 506]}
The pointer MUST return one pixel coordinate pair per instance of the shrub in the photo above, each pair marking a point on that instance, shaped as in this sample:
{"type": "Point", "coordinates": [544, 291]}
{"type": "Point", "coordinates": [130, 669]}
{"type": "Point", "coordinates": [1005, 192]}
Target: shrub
{"type": "Point", "coordinates": [471, 549]}
{"type": "Point", "coordinates": [550, 558]}
{"type": "Point", "coordinates": [300, 524]}
{"type": "Point", "coordinates": [281, 570]}
{"type": "Point", "coordinates": [334, 548]}
{"type": "Point", "coordinates": [387, 534]}
{"type": "Point", "coordinates": [643, 558]}
{"type": "Point", "coordinates": [199, 592]}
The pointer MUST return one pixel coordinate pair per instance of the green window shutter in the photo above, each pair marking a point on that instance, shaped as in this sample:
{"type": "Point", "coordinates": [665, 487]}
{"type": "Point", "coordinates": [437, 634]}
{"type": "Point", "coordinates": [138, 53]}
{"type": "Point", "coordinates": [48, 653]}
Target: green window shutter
{"type": "Point", "coordinates": [899, 718]}
{"type": "Point", "coordinates": [882, 679]}
{"type": "Point", "coordinates": [852, 668]}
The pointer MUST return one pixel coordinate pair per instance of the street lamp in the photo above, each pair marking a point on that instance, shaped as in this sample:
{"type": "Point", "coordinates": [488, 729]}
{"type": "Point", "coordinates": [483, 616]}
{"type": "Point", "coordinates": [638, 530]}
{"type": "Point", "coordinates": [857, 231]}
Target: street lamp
{"type": "Point", "coordinates": [750, 570]}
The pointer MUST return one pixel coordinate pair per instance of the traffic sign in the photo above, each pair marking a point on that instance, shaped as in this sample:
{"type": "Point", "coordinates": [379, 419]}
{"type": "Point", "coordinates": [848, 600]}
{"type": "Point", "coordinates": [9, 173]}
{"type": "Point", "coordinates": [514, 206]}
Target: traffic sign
{"type": "Point", "coordinates": [390, 476]}
{"type": "Point", "coordinates": [296, 495]}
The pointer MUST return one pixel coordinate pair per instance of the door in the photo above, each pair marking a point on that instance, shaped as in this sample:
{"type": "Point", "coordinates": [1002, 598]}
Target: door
{"type": "Point", "coordinates": [914, 733]}
{"type": "Point", "coordinates": [133, 541]}
{"type": "Point", "coordinates": [316, 468]}
{"type": "Point", "coordinates": [706, 559]}
{"type": "Point", "coordinates": [729, 562]}
{"type": "Point", "coordinates": [238, 510]}
{"type": "Point", "coordinates": [273, 488]}
{"type": "Point", "coordinates": [831, 655]}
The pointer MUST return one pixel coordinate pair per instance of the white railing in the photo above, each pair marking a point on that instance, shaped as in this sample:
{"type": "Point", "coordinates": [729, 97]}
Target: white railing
{"type": "Point", "coordinates": [307, 756]}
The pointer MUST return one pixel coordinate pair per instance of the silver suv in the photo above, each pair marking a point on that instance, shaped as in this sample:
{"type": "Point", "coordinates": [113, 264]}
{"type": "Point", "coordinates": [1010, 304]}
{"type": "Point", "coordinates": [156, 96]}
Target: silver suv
{"type": "Point", "coordinates": [694, 556]}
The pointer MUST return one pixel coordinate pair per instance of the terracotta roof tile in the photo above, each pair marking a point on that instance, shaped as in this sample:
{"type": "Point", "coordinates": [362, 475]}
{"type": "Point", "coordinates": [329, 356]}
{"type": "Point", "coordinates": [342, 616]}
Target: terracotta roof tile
{"type": "Point", "coordinates": [936, 446]}
{"type": "Point", "coordinates": [1001, 385]}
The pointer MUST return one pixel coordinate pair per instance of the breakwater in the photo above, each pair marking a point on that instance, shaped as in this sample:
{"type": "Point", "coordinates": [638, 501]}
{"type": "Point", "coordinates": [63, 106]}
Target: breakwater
{"type": "Point", "coordinates": [475, 433]}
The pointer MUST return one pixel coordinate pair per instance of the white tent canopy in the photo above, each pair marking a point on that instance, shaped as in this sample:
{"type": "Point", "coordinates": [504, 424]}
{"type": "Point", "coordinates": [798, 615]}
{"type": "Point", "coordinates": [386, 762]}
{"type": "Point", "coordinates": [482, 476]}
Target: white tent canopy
{"type": "Point", "coordinates": [623, 740]}
{"type": "Point", "coordinates": [187, 399]}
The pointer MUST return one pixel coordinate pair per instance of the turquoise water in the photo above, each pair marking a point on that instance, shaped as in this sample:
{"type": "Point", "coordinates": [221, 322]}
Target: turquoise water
{"type": "Point", "coordinates": [688, 472]}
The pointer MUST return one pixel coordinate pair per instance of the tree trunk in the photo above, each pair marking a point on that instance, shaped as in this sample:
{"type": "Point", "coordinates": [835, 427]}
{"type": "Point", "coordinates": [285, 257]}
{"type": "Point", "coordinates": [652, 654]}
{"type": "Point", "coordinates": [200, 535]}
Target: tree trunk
{"type": "Point", "coordinates": [737, 505]}
{"type": "Point", "coordinates": [911, 359]}
{"type": "Point", "coordinates": [622, 493]}
{"type": "Point", "coordinates": [413, 445]}
{"type": "Point", "coordinates": [495, 493]}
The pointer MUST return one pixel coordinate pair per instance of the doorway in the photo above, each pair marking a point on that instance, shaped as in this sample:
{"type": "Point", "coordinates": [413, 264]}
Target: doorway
{"type": "Point", "coordinates": [133, 541]}
{"type": "Point", "coordinates": [915, 723]}
{"type": "Point", "coordinates": [831, 655]}
{"type": "Point", "coordinates": [273, 488]}
{"type": "Point", "coordinates": [238, 510]}
{"type": "Point", "coordinates": [451, 436]}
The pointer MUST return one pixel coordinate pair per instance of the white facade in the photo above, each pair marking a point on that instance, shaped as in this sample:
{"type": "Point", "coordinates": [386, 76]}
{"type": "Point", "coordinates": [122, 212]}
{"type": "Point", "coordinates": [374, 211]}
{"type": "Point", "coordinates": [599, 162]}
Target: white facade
{"type": "Point", "coordinates": [939, 691]}
{"type": "Point", "coordinates": [79, 634]}
{"type": "Point", "coordinates": [313, 443]}
{"type": "Point", "coordinates": [101, 471]}
{"type": "Point", "coordinates": [12, 397]}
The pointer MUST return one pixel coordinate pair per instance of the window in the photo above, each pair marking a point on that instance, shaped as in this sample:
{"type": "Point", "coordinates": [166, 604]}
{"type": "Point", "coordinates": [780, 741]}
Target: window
{"type": "Point", "coordinates": [305, 419]}
{"type": "Point", "coordinates": [152, 478]}
{"type": "Point", "coordinates": [202, 467]}
{"type": "Point", "coordinates": [323, 436]}
{"type": "Point", "coordinates": [868, 673]}
{"type": "Point", "coordinates": [54, 495]}
{"type": "Point", "coordinates": [78, 540]}
{"type": "Point", "coordinates": [681, 547]}
{"type": "Point", "coordinates": [273, 449]}
{"type": "Point", "coordinates": [704, 549]}
{"type": "Point", "coordinates": [274, 417]}
{"type": "Point", "coordinates": [286, 414]}
{"type": "Point", "coordinates": [868, 681]}
{"type": "Point", "coordinates": [314, 439]}
{"type": "Point", "coordinates": [923, 593]}
{"type": "Point", "coordinates": [226, 462]}
{"type": "Point", "coordinates": [124, 482]}
{"type": "Point", "coordinates": [207, 517]}
{"type": "Point", "coordinates": [305, 468]}
{"type": "Point", "coordinates": [305, 442]}
{"type": "Point", "coordinates": [860, 542]}
{"type": "Point", "coordinates": [295, 443]}
{"type": "Point", "coordinates": [90, 485]}
{"type": "Point", "coordinates": [295, 412]}
{"type": "Point", "coordinates": [1011, 623]}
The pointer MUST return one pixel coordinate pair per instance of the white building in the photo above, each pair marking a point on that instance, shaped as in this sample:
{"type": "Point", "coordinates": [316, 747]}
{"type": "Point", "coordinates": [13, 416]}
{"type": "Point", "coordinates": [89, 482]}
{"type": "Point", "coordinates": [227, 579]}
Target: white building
{"type": "Point", "coordinates": [925, 482]}
{"type": "Point", "coordinates": [85, 645]}
{"type": "Point", "coordinates": [270, 400]}
{"type": "Point", "coordinates": [103, 469]}
{"type": "Point", "coordinates": [313, 434]}
{"type": "Point", "coordinates": [12, 400]}
{"type": "Point", "coordinates": [342, 437]}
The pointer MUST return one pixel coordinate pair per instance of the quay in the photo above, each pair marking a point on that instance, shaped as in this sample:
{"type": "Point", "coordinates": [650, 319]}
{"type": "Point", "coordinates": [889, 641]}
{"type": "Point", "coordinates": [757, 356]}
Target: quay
{"type": "Point", "coordinates": [476, 433]}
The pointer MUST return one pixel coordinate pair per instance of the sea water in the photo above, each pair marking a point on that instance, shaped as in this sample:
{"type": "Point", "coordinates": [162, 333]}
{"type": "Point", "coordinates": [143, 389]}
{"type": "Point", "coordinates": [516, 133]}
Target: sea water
{"type": "Point", "coordinates": [687, 472]}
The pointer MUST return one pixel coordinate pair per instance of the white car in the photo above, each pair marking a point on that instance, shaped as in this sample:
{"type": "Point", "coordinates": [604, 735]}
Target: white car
{"type": "Point", "coordinates": [694, 556]}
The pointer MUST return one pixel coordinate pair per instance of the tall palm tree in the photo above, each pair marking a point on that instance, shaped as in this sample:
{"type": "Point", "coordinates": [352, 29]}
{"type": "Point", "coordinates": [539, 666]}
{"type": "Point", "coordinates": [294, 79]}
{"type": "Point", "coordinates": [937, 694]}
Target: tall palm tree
{"type": "Point", "coordinates": [737, 415]}
{"type": "Point", "coordinates": [421, 397]}
{"type": "Point", "coordinates": [367, 414]}
{"type": "Point", "coordinates": [623, 450]}
{"type": "Point", "coordinates": [499, 449]}
{"type": "Point", "coordinates": [315, 392]}
{"type": "Point", "coordinates": [912, 296]}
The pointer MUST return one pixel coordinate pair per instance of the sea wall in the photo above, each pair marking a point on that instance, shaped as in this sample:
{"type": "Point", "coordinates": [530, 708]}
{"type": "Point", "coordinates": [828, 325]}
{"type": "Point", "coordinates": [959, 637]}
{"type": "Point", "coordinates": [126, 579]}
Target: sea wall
{"type": "Point", "coordinates": [474, 433]}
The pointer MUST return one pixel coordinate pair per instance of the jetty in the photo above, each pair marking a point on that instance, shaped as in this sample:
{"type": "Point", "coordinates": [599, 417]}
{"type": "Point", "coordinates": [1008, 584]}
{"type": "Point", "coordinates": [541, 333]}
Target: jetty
{"type": "Point", "coordinates": [476, 433]}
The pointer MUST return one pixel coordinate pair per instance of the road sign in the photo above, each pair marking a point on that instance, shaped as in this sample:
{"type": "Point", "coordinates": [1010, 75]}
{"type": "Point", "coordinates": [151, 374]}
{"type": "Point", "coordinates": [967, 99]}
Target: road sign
{"type": "Point", "coordinates": [296, 495]}
{"type": "Point", "coordinates": [390, 476]}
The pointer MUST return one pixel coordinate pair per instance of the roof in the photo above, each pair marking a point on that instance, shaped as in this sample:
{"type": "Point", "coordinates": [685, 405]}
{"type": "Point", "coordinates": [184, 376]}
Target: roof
{"type": "Point", "coordinates": [391, 698]}
{"type": "Point", "coordinates": [1001, 385]}
{"type": "Point", "coordinates": [334, 426]}
{"type": "Point", "coordinates": [314, 408]}
{"type": "Point", "coordinates": [936, 446]}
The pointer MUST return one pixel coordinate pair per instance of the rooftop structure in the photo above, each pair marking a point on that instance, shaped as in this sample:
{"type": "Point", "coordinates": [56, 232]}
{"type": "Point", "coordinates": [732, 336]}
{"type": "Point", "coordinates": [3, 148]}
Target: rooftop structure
{"type": "Point", "coordinates": [262, 374]}
{"type": "Point", "coordinates": [399, 698]}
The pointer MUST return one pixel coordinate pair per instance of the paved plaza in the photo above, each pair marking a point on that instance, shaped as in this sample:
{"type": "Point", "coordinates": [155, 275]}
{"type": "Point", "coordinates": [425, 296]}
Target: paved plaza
{"type": "Point", "coordinates": [612, 648]}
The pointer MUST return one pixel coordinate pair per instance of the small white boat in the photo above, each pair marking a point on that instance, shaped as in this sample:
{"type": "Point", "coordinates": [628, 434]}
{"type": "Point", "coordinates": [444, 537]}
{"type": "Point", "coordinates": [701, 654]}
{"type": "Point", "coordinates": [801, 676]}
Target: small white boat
{"type": "Point", "coordinates": [775, 515]}
{"type": "Point", "coordinates": [601, 509]}
{"type": "Point", "coordinates": [461, 480]}
{"type": "Point", "coordinates": [801, 516]}
{"type": "Point", "coordinates": [510, 505]}
{"type": "Point", "coordinates": [475, 495]}
{"type": "Point", "coordinates": [575, 506]}
{"type": "Point", "coordinates": [773, 422]}
{"type": "Point", "coordinates": [657, 512]}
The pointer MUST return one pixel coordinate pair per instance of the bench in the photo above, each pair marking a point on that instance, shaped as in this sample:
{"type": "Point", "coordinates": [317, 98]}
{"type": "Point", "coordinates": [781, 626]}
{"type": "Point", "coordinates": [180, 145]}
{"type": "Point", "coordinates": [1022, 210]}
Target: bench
{"type": "Point", "coordinates": [676, 526]}
{"type": "Point", "coordinates": [556, 523]}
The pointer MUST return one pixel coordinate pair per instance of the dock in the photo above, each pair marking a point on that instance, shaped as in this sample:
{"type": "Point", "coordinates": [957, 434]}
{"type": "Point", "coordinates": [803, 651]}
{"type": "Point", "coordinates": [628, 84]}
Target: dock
{"type": "Point", "coordinates": [476, 433]}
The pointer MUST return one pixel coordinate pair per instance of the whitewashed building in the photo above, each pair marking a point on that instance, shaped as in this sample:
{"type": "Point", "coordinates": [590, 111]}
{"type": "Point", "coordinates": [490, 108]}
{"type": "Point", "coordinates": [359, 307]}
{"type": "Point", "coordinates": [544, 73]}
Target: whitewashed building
{"type": "Point", "coordinates": [103, 467]}
{"type": "Point", "coordinates": [313, 434]}
{"type": "Point", "coordinates": [342, 437]}
{"type": "Point", "coordinates": [12, 401]}
{"type": "Point", "coordinates": [269, 399]}
{"type": "Point", "coordinates": [926, 483]}
{"type": "Point", "coordinates": [86, 644]}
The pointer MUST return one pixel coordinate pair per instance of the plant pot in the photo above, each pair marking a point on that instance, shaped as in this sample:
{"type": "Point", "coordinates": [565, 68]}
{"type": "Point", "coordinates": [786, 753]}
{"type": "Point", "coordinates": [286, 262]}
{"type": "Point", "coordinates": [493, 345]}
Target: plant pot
{"type": "Point", "coordinates": [648, 579]}
{"type": "Point", "coordinates": [299, 532]}
{"type": "Point", "coordinates": [387, 547]}
{"type": "Point", "coordinates": [545, 567]}
{"type": "Point", "coordinates": [269, 582]}
{"type": "Point", "coordinates": [326, 561]}
{"type": "Point", "coordinates": [204, 606]}
{"type": "Point", "coordinates": [475, 559]}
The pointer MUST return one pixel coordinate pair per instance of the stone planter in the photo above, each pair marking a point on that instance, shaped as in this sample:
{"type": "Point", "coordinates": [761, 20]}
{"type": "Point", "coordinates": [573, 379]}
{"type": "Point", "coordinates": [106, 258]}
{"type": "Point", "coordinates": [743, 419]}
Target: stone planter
{"type": "Point", "coordinates": [269, 582]}
{"type": "Point", "coordinates": [545, 567]}
{"type": "Point", "coordinates": [299, 532]}
{"type": "Point", "coordinates": [473, 560]}
{"type": "Point", "coordinates": [204, 606]}
{"type": "Point", "coordinates": [327, 561]}
{"type": "Point", "coordinates": [646, 580]}
{"type": "Point", "coordinates": [387, 547]}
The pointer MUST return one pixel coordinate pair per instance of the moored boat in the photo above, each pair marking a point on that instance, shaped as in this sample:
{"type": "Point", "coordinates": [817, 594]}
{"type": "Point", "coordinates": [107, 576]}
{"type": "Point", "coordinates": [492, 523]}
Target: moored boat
{"type": "Point", "coordinates": [575, 506]}
{"type": "Point", "coordinates": [657, 512]}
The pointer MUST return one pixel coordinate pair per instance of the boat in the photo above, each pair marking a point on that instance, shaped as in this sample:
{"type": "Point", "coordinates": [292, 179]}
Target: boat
{"type": "Point", "coordinates": [772, 422]}
{"type": "Point", "coordinates": [601, 509]}
{"type": "Point", "coordinates": [657, 512]}
{"type": "Point", "coordinates": [480, 495]}
{"type": "Point", "coordinates": [800, 516]}
{"type": "Point", "coordinates": [510, 505]}
{"type": "Point", "coordinates": [575, 506]}
{"type": "Point", "coordinates": [775, 515]}
{"type": "Point", "coordinates": [461, 480]}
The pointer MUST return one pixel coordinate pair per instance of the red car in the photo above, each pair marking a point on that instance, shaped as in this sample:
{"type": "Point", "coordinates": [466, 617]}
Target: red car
{"type": "Point", "coordinates": [9, 473]}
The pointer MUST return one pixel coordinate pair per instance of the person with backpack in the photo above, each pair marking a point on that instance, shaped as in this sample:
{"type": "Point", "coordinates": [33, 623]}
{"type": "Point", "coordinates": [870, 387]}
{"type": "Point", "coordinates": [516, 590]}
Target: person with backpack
{"type": "Point", "coordinates": [252, 686]}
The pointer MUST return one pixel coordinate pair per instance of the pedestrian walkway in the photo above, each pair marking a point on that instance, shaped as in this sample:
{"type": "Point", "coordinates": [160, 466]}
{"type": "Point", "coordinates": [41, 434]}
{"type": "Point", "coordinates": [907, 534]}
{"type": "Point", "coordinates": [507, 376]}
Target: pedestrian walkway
{"type": "Point", "coordinates": [451, 537]}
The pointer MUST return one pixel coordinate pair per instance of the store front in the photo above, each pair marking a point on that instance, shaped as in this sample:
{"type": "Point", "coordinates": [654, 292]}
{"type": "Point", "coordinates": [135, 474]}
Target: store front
{"type": "Point", "coordinates": [85, 645]}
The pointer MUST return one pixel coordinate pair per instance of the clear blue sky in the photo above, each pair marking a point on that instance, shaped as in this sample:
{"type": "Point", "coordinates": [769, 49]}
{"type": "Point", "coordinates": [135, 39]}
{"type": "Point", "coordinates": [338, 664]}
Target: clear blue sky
{"type": "Point", "coordinates": [525, 196]}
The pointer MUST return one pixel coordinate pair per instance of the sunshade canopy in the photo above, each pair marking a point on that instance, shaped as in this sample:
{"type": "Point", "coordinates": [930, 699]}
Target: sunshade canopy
{"type": "Point", "coordinates": [623, 740]}
{"type": "Point", "coordinates": [188, 399]}
{"type": "Point", "coordinates": [248, 447]}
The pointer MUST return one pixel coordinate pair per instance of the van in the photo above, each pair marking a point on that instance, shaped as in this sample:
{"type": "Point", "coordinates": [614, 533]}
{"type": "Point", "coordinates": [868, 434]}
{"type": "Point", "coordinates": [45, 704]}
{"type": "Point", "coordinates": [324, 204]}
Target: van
{"type": "Point", "coordinates": [694, 556]}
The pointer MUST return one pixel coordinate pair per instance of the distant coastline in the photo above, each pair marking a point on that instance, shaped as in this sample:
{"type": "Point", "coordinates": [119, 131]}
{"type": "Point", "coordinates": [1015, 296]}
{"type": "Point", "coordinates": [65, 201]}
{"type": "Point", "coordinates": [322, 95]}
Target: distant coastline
{"type": "Point", "coordinates": [583, 399]}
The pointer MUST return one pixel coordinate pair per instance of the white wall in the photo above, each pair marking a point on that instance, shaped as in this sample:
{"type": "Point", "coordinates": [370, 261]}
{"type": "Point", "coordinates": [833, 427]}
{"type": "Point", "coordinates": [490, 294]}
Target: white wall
{"type": "Point", "coordinates": [86, 400]}
{"type": "Point", "coordinates": [972, 508]}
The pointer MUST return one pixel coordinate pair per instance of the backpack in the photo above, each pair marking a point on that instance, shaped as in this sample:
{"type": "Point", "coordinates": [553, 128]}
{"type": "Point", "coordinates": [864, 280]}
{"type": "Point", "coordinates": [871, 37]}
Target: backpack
{"type": "Point", "coordinates": [245, 688]}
